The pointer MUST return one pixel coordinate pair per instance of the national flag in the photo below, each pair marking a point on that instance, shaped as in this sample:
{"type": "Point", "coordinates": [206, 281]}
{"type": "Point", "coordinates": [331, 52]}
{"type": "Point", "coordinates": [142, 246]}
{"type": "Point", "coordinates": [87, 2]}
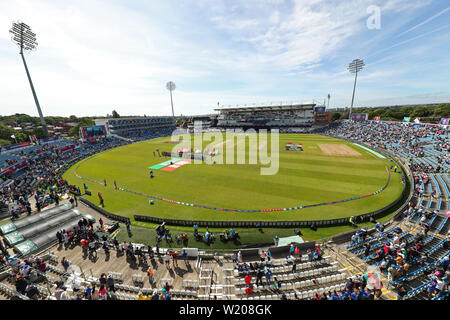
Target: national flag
{"type": "Point", "coordinates": [33, 140]}
{"type": "Point", "coordinates": [373, 277]}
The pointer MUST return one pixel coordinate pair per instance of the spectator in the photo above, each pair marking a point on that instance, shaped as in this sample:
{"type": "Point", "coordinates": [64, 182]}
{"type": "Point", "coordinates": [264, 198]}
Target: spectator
{"type": "Point", "coordinates": [110, 284]}
{"type": "Point", "coordinates": [65, 263]}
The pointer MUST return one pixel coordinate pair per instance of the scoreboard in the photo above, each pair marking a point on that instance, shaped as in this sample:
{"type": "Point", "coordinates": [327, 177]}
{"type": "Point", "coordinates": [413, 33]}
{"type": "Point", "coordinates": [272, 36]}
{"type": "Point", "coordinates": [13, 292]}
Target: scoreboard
{"type": "Point", "coordinates": [92, 132]}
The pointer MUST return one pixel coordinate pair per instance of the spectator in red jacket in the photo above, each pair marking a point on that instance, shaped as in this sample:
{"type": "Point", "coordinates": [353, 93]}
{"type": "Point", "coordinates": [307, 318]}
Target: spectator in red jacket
{"type": "Point", "coordinates": [248, 279]}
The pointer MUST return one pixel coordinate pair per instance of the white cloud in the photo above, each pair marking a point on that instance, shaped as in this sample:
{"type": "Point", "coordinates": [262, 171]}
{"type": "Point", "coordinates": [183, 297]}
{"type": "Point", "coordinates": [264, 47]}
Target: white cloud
{"type": "Point", "coordinates": [426, 21]}
{"type": "Point", "coordinates": [95, 56]}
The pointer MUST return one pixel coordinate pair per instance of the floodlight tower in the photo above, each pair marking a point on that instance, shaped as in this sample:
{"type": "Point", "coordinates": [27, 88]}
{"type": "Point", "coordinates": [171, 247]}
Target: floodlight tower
{"type": "Point", "coordinates": [26, 40]}
{"type": "Point", "coordinates": [354, 67]}
{"type": "Point", "coordinates": [171, 87]}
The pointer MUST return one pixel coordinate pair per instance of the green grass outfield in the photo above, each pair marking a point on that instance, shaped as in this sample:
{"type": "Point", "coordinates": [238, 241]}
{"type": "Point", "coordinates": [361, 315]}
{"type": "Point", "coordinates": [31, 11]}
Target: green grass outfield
{"type": "Point", "coordinates": [304, 178]}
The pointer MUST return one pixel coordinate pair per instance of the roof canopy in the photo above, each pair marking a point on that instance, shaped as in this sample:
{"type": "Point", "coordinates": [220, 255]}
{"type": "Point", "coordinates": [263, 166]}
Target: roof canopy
{"type": "Point", "coordinates": [268, 108]}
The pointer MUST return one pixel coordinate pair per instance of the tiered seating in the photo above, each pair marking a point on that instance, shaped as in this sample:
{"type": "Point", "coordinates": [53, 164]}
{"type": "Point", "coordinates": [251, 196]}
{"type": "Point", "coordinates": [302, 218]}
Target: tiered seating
{"type": "Point", "coordinates": [443, 295]}
{"type": "Point", "coordinates": [404, 235]}
{"type": "Point", "coordinates": [419, 271]}
{"type": "Point", "coordinates": [309, 278]}
{"type": "Point", "coordinates": [418, 289]}
{"type": "Point", "coordinates": [117, 276]}
{"type": "Point", "coordinates": [360, 243]}
{"type": "Point", "coordinates": [9, 292]}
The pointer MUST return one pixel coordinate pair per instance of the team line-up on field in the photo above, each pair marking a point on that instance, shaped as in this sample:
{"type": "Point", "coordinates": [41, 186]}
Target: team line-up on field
{"type": "Point", "coordinates": [257, 148]}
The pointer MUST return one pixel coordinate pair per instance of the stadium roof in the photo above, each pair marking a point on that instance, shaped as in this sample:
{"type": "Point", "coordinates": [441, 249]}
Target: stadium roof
{"type": "Point", "coordinates": [267, 108]}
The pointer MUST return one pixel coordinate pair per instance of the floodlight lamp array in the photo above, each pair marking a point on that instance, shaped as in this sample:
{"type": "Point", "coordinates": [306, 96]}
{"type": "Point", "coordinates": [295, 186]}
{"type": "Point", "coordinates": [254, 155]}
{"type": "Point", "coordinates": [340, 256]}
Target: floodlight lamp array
{"type": "Point", "coordinates": [23, 36]}
{"type": "Point", "coordinates": [170, 86]}
{"type": "Point", "coordinates": [356, 65]}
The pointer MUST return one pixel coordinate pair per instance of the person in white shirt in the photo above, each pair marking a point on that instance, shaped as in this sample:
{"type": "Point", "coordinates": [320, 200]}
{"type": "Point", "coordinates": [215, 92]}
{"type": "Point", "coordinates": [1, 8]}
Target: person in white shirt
{"type": "Point", "coordinates": [423, 219]}
{"type": "Point", "coordinates": [440, 285]}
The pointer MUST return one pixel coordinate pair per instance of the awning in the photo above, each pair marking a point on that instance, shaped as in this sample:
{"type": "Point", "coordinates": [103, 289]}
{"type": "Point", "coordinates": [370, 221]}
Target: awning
{"type": "Point", "coordinates": [288, 240]}
{"type": "Point", "coordinates": [26, 247]}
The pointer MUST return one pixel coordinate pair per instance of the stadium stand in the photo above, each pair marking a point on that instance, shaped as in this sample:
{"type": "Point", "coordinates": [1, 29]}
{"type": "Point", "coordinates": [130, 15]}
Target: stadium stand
{"type": "Point", "coordinates": [410, 254]}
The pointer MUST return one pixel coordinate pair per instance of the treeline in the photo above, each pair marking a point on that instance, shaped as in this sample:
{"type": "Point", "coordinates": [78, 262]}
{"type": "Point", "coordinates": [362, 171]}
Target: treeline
{"type": "Point", "coordinates": [22, 136]}
{"type": "Point", "coordinates": [430, 114]}
{"type": "Point", "coordinates": [21, 120]}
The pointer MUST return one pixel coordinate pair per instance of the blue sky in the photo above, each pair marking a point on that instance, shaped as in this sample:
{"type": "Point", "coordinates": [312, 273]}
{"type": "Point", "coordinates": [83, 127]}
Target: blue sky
{"type": "Point", "coordinates": [96, 56]}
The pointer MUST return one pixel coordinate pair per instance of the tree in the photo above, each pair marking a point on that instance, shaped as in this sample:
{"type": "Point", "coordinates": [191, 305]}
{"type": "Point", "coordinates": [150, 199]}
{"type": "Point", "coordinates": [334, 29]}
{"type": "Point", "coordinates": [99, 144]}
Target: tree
{"type": "Point", "coordinates": [423, 111]}
{"type": "Point", "coordinates": [4, 142]}
{"type": "Point", "coordinates": [335, 116]}
{"type": "Point", "coordinates": [406, 111]}
{"type": "Point", "coordinates": [6, 132]}
{"type": "Point", "coordinates": [442, 110]}
{"type": "Point", "coordinates": [115, 114]}
{"type": "Point", "coordinates": [84, 122]}
{"type": "Point", "coordinates": [38, 132]}
{"type": "Point", "coordinates": [346, 114]}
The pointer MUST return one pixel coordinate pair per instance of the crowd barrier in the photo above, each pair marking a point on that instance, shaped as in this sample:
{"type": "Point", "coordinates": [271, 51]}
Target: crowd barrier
{"type": "Point", "coordinates": [111, 216]}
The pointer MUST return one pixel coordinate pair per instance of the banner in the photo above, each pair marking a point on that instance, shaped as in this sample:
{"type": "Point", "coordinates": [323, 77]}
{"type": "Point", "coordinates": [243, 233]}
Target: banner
{"type": "Point", "coordinates": [319, 109]}
{"type": "Point", "coordinates": [13, 168]}
{"type": "Point", "coordinates": [444, 121]}
{"type": "Point", "coordinates": [164, 164]}
{"type": "Point", "coordinates": [45, 140]}
{"type": "Point", "coordinates": [65, 148]}
{"type": "Point", "coordinates": [176, 165]}
{"type": "Point", "coordinates": [360, 116]}
{"type": "Point", "coordinates": [377, 118]}
{"type": "Point", "coordinates": [16, 146]}
{"type": "Point", "coordinates": [406, 119]}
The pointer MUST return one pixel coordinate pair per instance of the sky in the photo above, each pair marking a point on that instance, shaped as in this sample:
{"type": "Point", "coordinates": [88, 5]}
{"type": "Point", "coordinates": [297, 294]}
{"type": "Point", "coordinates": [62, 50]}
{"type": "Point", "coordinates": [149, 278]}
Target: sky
{"type": "Point", "coordinates": [97, 56]}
